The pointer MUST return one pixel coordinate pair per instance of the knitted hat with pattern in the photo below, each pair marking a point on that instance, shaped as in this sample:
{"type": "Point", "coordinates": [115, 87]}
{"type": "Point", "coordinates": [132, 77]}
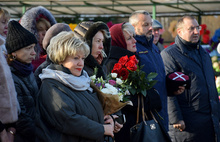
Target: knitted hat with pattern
{"type": "Point", "coordinates": [18, 37]}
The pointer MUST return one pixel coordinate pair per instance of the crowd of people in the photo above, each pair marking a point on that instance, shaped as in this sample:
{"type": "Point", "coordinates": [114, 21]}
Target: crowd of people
{"type": "Point", "coordinates": [46, 93]}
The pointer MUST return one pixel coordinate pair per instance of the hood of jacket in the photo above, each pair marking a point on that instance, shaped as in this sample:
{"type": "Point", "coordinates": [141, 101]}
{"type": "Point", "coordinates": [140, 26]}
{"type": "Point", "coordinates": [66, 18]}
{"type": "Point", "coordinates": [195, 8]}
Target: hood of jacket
{"type": "Point", "coordinates": [29, 19]}
{"type": "Point", "coordinates": [118, 36]}
{"type": "Point", "coordinates": [86, 31]}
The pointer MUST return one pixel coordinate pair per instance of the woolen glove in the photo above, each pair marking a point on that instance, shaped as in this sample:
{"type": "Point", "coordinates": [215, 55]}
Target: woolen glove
{"type": "Point", "coordinates": [216, 36]}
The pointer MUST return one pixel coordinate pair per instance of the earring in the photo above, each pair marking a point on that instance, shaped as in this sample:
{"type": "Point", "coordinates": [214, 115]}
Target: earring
{"type": "Point", "coordinates": [13, 57]}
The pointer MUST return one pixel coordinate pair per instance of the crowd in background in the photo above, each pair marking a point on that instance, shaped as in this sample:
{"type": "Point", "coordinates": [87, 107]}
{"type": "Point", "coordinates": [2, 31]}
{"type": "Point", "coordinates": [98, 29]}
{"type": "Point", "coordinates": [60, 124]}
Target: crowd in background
{"type": "Point", "coordinates": [46, 92]}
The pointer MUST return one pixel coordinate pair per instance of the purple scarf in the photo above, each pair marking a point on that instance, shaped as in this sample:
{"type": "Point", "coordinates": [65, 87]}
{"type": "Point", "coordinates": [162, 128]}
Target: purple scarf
{"type": "Point", "coordinates": [22, 69]}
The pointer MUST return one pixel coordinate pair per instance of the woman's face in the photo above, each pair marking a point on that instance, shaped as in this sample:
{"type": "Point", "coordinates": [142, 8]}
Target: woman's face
{"type": "Point", "coordinates": [75, 63]}
{"type": "Point", "coordinates": [41, 30]}
{"type": "Point", "coordinates": [26, 54]}
{"type": "Point", "coordinates": [130, 41]}
{"type": "Point", "coordinates": [3, 26]}
{"type": "Point", "coordinates": [97, 46]}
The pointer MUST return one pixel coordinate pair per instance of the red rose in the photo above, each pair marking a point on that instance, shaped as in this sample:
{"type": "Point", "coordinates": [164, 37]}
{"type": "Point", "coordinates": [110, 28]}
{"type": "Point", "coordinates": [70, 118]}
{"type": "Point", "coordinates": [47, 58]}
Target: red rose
{"type": "Point", "coordinates": [123, 73]}
{"type": "Point", "coordinates": [134, 59]}
{"type": "Point", "coordinates": [205, 39]}
{"type": "Point", "coordinates": [207, 32]}
{"type": "Point", "coordinates": [123, 60]}
{"type": "Point", "coordinates": [131, 65]}
{"type": "Point", "coordinates": [116, 68]}
{"type": "Point", "coordinates": [203, 26]}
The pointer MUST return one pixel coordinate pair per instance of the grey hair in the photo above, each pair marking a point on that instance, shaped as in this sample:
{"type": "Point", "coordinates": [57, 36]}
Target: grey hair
{"type": "Point", "coordinates": [65, 44]}
{"type": "Point", "coordinates": [128, 28]}
{"type": "Point", "coordinates": [134, 19]}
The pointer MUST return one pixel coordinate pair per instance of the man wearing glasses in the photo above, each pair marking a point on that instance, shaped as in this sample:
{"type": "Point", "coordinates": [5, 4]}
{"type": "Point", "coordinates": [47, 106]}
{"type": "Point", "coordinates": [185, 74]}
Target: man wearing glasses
{"type": "Point", "coordinates": [193, 115]}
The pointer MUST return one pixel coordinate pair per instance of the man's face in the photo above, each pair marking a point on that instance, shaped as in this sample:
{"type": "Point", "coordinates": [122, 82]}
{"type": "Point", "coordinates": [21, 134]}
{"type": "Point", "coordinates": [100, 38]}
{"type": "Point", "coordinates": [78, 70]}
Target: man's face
{"type": "Point", "coordinates": [156, 33]}
{"type": "Point", "coordinates": [144, 26]}
{"type": "Point", "coordinates": [189, 31]}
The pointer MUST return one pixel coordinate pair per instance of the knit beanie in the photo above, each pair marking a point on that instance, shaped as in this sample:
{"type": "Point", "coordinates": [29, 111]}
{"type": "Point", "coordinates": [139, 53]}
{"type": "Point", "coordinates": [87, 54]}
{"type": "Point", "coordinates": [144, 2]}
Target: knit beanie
{"type": "Point", "coordinates": [53, 31]}
{"type": "Point", "coordinates": [118, 36]}
{"type": "Point", "coordinates": [176, 79]}
{"type": "Point", "coordinates": [18, 37]}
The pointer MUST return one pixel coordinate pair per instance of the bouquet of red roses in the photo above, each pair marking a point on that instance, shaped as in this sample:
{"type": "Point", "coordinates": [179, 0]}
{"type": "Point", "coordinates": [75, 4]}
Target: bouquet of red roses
{"type": "Point", "coordinates": [129, 70]}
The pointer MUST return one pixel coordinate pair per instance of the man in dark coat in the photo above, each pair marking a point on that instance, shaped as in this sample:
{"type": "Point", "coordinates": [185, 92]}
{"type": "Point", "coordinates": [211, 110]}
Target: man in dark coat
{"type": "Point", "coordinates": [194, 114]}
{"type": "Point", "coordinates": [149, 56]}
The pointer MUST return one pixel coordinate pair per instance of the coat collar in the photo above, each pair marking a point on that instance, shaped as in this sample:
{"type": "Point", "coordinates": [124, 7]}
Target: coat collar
{"type": "Point", "coordinates": [118, 52]}
{"type": "Point", "coordinates": [144, 41]}
{"type": "Point", "coordinates": [190, 52]}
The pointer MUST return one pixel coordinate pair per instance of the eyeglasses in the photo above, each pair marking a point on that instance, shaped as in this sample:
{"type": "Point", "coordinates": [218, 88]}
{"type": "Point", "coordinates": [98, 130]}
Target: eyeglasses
{"type": "Point", "coordinates": [198, 28]}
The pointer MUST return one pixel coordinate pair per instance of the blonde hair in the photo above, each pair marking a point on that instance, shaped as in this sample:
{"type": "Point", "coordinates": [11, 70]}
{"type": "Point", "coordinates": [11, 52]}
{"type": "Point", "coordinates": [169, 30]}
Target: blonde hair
{"type": "Point", "coordinates": [65, 44]}
{"type": "Point", "coordinates": [42, 21]}
{"type": "Point", "coordinates": [127, 27]}
{"type": "Point", "coordinates": [5, 14]}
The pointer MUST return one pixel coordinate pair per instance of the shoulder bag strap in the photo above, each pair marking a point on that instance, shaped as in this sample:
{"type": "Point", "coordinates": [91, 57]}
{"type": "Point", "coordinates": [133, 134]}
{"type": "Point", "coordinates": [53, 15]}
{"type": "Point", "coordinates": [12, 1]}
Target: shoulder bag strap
{"type": "Point", "coordinates": [138, 109]}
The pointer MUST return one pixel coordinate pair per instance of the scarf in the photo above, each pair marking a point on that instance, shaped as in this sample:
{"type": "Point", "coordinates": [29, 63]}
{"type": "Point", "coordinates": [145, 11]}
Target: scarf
{"type": "Point", "coordinates": [22, 69]}
{"type": "Point", "coordinates": [79, 83]}
{"type": "Point", "coordinates": [189, 45]}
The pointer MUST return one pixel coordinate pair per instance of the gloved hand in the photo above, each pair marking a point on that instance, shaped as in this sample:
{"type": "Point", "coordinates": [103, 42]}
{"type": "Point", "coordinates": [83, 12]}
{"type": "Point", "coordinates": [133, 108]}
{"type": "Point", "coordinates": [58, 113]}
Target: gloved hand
{"type": "Point", "coordinates": [216, 36]}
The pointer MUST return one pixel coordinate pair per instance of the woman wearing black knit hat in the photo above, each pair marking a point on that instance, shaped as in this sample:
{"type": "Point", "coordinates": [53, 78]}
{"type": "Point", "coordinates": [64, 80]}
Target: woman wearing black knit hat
{"type": "Point", "coordinates": [20, 45]}
{"type": "Point", "coordinates": [97, 36]}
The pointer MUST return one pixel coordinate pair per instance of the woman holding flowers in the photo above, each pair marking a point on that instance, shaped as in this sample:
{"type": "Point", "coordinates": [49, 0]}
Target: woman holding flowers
{"type": "Point", "coordinates": [123, 43]}
{"type": "Point", "coordinates": [122, 60]}
{"type": "Point", "coordinates": [67, 108]}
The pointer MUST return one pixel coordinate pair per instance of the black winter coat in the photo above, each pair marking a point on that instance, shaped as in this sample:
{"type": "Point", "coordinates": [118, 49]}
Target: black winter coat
{"type": "Point", "coordinates": [26, 88]}
{"type": "Point", "coordinates": [38, 71]}
{"type": "Point", "coordinates": [199, 106]}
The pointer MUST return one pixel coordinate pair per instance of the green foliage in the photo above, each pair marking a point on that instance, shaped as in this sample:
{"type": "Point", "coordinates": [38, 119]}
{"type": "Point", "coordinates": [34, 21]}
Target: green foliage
{"type": "Point", "coordinates": [139, 82]}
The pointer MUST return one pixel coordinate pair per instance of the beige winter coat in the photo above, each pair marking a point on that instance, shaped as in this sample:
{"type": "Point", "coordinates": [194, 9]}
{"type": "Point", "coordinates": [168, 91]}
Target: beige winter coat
{"type": "Point", "coordinates": [8, 96]}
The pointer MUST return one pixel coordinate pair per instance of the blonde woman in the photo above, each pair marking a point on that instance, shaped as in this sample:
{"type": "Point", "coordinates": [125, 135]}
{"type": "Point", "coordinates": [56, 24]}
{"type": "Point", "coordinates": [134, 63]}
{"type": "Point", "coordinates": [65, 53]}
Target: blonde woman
{"type": "Point", "coordinates": [67, 107]}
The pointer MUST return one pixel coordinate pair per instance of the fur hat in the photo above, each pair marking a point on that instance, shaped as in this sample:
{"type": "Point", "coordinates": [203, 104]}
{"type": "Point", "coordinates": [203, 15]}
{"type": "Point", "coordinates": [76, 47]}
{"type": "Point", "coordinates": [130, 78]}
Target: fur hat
{"type": "Point", "coordinates": [29, 20]}
{"type": "Point", "coordinates": [53, 31]}
{"type": "Point", "coordinates": [176, 79]}
{"type": "Point", "coordinates": [18, 37]}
